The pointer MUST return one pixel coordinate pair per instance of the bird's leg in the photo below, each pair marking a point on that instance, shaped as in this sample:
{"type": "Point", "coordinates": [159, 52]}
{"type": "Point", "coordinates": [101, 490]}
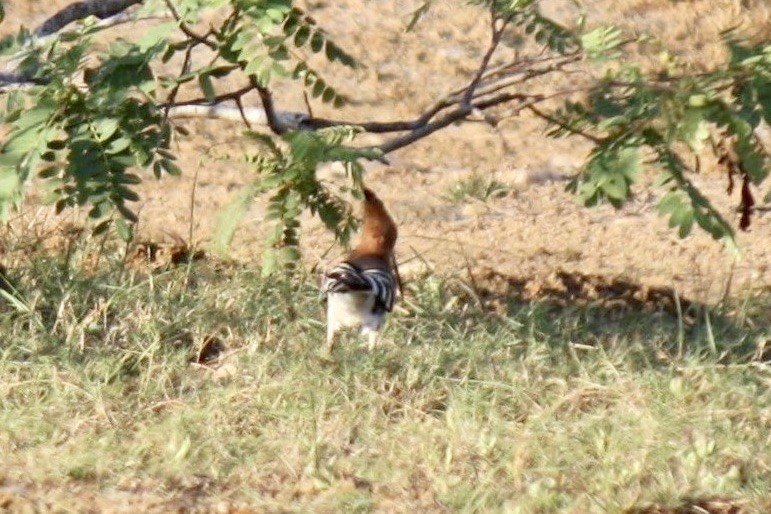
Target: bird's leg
{"type": "Point", "coordinates": [372, 338]}
{"type": "Point", "coordinates": [332, 328]}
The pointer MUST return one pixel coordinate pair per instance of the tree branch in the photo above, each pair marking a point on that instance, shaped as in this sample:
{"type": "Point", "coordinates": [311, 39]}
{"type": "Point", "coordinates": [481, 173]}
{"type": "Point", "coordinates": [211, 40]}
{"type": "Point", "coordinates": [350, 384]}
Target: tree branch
{"type": "Point", "coordinates": [489, 92]}
{"type": "Point", "coordinates": [459, 114]}
{"type": "Point", "coordinates": [11, 80]}
{"type": "Point", "coordinates": [267, 104]}
{"type": "Point", "coordinates": [187, 30]}
{"type": "Point", "coordinates": [572, 130]}
{"type": "Point", "coordinates": [424, 130]}
{"type": "Point", "coordinates": [100, 8]}
{"type": "Point", "coordinates": [495, 39]}
{"type": "Point", "coordinates": [250, 115]}
{"type": "Point", "coordinates": [486, 89]}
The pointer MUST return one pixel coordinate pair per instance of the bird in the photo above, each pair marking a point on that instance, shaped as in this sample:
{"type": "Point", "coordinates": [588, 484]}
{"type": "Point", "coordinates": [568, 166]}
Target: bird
{"type": "Point", "coordinates": [361, 289]}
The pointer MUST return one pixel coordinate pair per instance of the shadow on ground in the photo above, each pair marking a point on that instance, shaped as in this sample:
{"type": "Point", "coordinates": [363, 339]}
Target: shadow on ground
{"type": "Point", "coordinates": [592, 307]}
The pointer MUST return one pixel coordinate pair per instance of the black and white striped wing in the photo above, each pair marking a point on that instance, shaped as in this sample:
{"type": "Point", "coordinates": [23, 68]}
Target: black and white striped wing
{"type": "Point", "coordinates": [383, 285]}
{"type": "Point", "coordinates": [346, 277]}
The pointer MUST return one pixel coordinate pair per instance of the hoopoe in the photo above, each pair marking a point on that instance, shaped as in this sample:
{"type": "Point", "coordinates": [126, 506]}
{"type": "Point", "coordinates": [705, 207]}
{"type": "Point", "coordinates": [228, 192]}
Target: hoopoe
{"type": "Point", "coordinates": [361, 289]}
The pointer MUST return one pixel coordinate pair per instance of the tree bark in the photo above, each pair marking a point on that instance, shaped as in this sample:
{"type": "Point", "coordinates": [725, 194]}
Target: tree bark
{"type": "Point", "coordinates": [100, 8]}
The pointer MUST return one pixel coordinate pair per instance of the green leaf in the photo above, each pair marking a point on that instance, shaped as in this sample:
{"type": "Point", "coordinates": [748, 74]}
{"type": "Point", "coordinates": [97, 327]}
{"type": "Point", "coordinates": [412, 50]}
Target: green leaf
{"type": "Point", "coordinates": [127, 213]}
{"type": "Point", "coordinates": [686, 223]}
{"type": "Point", "coordinates": [125, 193]}
{"type": "Point", "coordinates": [50, 171]}
{"type": "Point", "coordinates": [698, 100]}
{"type": "Point", "coordinates": [763, 88]}
{"type": "Point", "coordinates": [207, 87]}
{"type": "Point", "coordinates": [615, 188]}
{"type": "Point", "coordinates": [276, 15]}
{"type": "Point", "coordinates": [9, 183]}
{"type": "Point", "coordinates": [118, 145]}
{"type": "Point", "coordinates": [317, 42]}
{"type": "Point", "coordinates": [154, 35]}
{"type": "Point", "coordinates": [694, 129]}
{"type": "Point", "coordinates": [290, 25]}
{"type": "Point", "coordinates": [303, 33]}
{"type": "Point", "coordinates": [106, 127]}
{"type": "Point", "coordinates": [629, 163]}
{"type": "Point", "coordinates": [270, 263]}
{"type": "Point", "coordinates": [328, 95]}
{"type": "Point", "coordinates": [123, 229]}
{"type": "Point", "coordinates": [318, 88]}
{"type": "Point", "coordinates": [279, 53]}
{"type": "Point", "coordinates": [100, 227]}
{"type": "Point", "coordinates": [289, 255]}
{"type": "Point", "coordinates": [170, 167]}
{"type": "Point", "coordinates": [417, 14]}
{"type": "Point", "coordinates": [22, 141]}
{"type": "Point", "coordinates": [335, 53]}
{"type": "Point", "coordinates": [670, 203]}
{"type": "Point", "coordinates": [230, 217]}
{"type": "Point", "coordinates": [601, 43]}
{"type": "Point", "coordinates": [34, 116]}
{"type": "Point", "coordinates": [254, 65]}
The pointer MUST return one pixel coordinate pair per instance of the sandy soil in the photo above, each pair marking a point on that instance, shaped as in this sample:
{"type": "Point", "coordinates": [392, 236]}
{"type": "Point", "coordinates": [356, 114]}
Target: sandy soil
{"type": "Point", "coordinates": [538, 228]}
{"type": "Point", "coordinates": [534, 231]}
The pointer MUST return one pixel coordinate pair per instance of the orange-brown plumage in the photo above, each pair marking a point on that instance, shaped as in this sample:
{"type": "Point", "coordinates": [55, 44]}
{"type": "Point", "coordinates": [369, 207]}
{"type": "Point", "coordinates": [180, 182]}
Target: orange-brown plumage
{"type": "Point", "coordinates": [361, 289]}
{"type": "Point", "coordinates": [378, 233]}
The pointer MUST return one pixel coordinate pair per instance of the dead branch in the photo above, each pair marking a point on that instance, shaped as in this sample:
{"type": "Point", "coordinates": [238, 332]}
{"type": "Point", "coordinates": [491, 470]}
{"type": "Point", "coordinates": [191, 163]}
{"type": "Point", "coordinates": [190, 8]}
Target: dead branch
{"type": "Point", "coordinates": [11, 80]}
{"type": "Point", "coordinates": [251, 115]}
{"type": "Point", "coordinates": [100, 8]}
{"type": "Point", "coordinates": [489, 90]}
{"type": "Point", "coordinates": [497, 27]}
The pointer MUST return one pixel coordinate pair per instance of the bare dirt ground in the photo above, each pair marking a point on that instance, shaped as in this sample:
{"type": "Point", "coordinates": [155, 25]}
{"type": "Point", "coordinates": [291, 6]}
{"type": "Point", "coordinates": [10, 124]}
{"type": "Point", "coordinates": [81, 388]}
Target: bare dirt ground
{"type": "Point", "coordinates": [533, 233]}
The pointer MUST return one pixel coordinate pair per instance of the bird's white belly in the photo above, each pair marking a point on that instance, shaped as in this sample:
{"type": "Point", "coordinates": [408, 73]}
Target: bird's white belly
{"type": "Point", "coordinates": [353, 309]}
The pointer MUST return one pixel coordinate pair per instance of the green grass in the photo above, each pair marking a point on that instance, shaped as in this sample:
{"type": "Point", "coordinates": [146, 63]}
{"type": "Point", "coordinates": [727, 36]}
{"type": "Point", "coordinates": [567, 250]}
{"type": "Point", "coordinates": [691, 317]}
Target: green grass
{"type": "Point", "coordinates": [476, 187]}
{"type": "Point", "coordinates": [543, 409]}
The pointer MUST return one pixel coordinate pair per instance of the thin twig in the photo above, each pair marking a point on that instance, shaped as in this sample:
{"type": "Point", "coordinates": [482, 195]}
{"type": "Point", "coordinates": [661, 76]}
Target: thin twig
{"type": "Point", "coordinates": [202, 39]}
{"type": "Point", "coordinates": [399, 283]}
{"type": "Point", "coordinates": [572, 130]}
{"type": "Point", "coordinates": [193, 190]}
{"type": "Point", "coordinates": [308, 104]}
{"type": "Point", "coordinates": [242, 112]}
{"type": "Point", "coordinates": [425, 130]}
{"type": "Point", "coordinates": [225, 97]}
{"type": "Point", "coordinates": [495, 39]}
{"type": "Point", "coordinates": [175, 90]}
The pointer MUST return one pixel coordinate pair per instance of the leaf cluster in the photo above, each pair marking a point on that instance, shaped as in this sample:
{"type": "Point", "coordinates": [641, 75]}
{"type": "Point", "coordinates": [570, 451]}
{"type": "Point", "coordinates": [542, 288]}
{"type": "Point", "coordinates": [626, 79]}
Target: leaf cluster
{"type": "Point", "coordinates": [92, 118]}
{"type": "Point", "coordinates": [85, 127]}
{"type": "Point", "coordinates": [271, 39]}
{"type": "Point", "coordinates": [674, 117]}
{"type": "Point", "coordinates": [287, 172]}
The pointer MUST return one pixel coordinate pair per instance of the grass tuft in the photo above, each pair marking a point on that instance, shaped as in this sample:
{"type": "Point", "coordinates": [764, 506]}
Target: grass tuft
{"type": "Point", "coordinates": [476, 188]}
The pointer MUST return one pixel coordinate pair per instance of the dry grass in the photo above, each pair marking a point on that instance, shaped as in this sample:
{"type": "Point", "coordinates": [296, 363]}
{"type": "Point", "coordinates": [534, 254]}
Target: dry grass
{"type": "Point", "coordinates": [202, 387]}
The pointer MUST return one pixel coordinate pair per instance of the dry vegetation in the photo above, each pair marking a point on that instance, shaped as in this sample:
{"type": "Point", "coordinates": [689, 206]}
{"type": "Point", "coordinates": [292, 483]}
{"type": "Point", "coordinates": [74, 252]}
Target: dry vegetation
{"type": "Point", "coordinates": [546, 358]}
{"type": "Point", "coordinates": [204, 388]}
